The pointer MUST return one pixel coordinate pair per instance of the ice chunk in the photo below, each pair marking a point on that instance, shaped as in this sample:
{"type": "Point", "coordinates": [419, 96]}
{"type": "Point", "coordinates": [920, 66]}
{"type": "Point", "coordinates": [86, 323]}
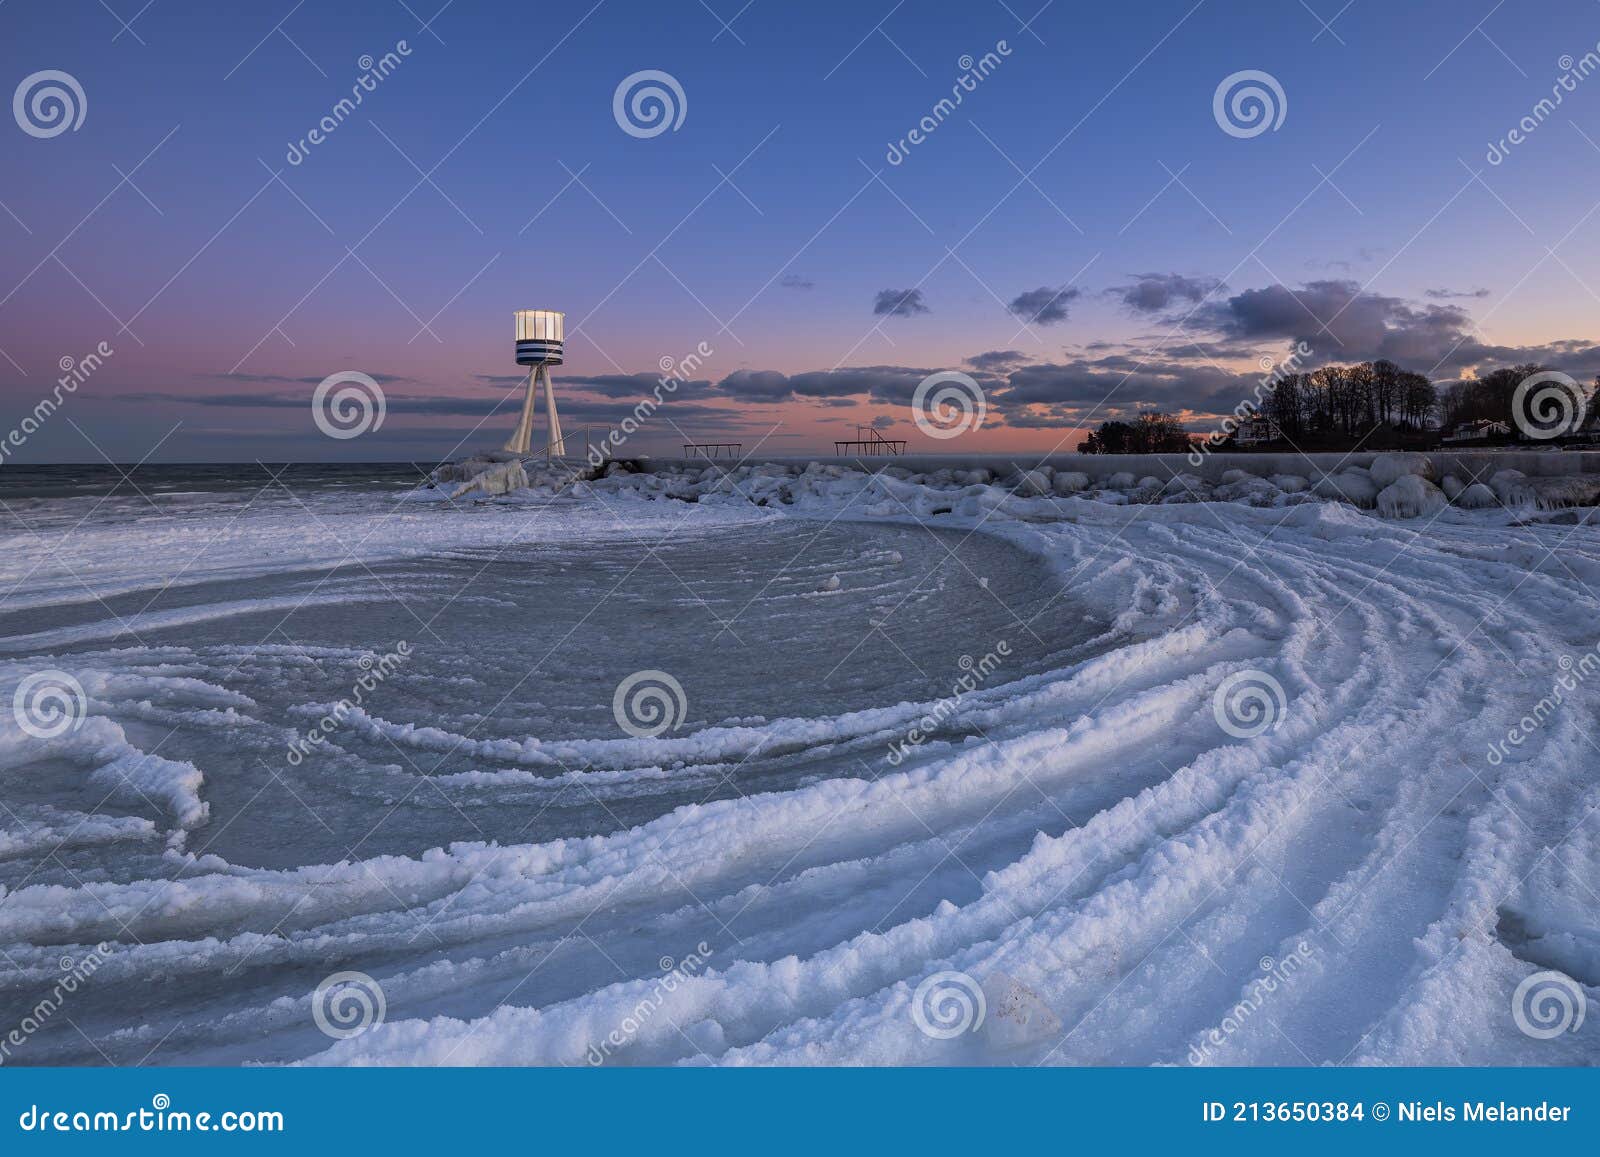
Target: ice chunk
{"type": "Point", "coordinates": [1410, 496]}
{"type": "Point", "coordinates": [1389, 468]}
{"type": "Point", "coordinates": [1016, 1014]}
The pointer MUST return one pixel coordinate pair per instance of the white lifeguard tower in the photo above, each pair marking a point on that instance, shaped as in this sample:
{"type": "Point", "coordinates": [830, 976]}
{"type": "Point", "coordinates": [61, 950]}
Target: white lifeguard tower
{"type": "Point", "coordinates": [541, 341]}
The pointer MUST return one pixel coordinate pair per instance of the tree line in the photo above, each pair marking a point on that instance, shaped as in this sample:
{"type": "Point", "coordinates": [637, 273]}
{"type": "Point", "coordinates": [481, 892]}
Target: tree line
{"type": "Point", "coordinates": [1351, 400]}
{"type": "Point", "coordinates": [1488, 398]}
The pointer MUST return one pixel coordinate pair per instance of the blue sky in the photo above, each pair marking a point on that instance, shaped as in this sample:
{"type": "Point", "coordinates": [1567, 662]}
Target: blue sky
{"type": "Point", "coordinates": [1088, 163]}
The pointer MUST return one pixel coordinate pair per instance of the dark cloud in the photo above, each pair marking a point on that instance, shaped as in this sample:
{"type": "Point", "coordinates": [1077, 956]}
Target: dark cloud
{"type": "Point", "coordinates": [1340, 321]}
{"type": "Point", "coordinates": [795, 281]}
{"type": "Point", "coordinates": [899, 303]}
{"type": "Point", "coordinates": [997, 360]}
{"type": "Point", "coordinates": [1448, 294]}
{"type": "Point", "coordinates": [880, 383]}
{"type": "Point", "coordinates": [1158, 292]}
{"type": "Point", "coordinates": [1043, 306]}
{"type": "Point", "coordinates": [757, 386]}
{"type": "Point", "coordinates": [633, 385]}
{"type": "Point", "coordinates": [882, 422]}
{"type": "Point", "coordinates": [574, 411]}
{"type": "Point", "coordinates": [269, 379]}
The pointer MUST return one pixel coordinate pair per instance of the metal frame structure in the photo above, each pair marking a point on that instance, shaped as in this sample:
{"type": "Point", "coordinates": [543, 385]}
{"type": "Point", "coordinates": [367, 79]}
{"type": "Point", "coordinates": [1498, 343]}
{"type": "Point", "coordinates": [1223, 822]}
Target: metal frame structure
{"type": "Point", "coordinates": [711, 450]}
{"type": "Point", "coordinates": [869, 444]}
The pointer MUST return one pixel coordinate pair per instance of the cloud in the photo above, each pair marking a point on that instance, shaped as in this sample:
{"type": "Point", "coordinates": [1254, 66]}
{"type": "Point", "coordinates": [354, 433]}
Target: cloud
{"type": "Point", "coordinates": [1157, 292]}
{"type": "Point", "coordinates": [1340, 321]}
{"type": "Point", "coordinates": [1043, 306]}
{"type": "Point", "coordinates": [997, 360]}
{"type": "Point", "coordinates": [899, 303]}
{"type": "Point", "coordinates": [1447, 294]}
{"type": "Point", "coordinates": [880, 383]}
{"type": "Point", "coordinates": [574, 411]}
{"type": "Point", "coordinates": [268, 379]}
{"type": "Point", "coordinates": [795, 281]}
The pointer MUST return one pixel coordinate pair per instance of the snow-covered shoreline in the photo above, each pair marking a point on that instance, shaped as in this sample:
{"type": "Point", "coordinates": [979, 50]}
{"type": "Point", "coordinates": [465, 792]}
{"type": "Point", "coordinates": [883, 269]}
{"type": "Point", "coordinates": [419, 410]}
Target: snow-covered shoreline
{"type": "Point", "coordinates": [1106, 860]}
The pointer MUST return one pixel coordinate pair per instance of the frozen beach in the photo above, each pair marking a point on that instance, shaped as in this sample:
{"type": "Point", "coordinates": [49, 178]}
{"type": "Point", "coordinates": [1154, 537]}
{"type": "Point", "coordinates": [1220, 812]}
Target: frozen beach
{"type": "Point", "coordinates": [1155, 767]}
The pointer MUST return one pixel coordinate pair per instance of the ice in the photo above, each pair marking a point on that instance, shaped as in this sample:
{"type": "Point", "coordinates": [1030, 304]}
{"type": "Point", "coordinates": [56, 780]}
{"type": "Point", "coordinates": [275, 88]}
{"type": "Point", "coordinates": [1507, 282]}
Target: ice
{"type": "Point", "coordinates": [777, 875]}
{"type": "Point", "coordinates": [1386, 469]}
{"type": "Point", "coordinates": [1409, 496]}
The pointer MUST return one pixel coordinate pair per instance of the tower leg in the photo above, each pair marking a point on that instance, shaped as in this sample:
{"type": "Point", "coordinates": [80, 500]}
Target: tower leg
{"type": "Point", "coordinates": [555, 445]}
{"type": "Point", "coordinates": [521, 440]}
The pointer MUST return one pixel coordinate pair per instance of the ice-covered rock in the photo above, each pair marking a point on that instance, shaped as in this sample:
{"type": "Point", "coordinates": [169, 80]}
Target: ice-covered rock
{"type": "Point", "coordinates": [1290, 483]}
{"type": "Point", "coordinates": [1474, 497]}
{"type": "Point", "coordinates": [1070, 482]}
{"type": "Point", "coordinates": [1511, 487]}
{"type": "Point", "coordinates": [1350, 485]}
{"type": "Point", "coordinates": [1030, 483]}
{"type": "Point", "coordinates": [488, 475]}
{"type": "Point", "coordinates": [1452, 486]}
{"type": "Point", "coordinates": [1410, 496]}
{"type": "Point", "coordinates": [1388, 468]}
{"type": "Point", "coordinates": [1121, 480]}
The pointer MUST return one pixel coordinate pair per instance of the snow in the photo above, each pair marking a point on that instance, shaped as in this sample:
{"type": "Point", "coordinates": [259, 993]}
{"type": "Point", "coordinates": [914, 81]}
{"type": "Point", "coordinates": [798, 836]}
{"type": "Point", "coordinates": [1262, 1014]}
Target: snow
{"type": "Point", "coordinates": [1116, 873]}
{"type": "Point", "coordinates": [1409, 496]}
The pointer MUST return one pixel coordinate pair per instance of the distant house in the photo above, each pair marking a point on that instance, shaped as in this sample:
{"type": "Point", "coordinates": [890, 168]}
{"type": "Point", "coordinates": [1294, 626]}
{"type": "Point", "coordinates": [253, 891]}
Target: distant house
{"type": "Point", "coordinates": [1481, 430]}
{"type": "Point", "coordinates": [1257, 430]}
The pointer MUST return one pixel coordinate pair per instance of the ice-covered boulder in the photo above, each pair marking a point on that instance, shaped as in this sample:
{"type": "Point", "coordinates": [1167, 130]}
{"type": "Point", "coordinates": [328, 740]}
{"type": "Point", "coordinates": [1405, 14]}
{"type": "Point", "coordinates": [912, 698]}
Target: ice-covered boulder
{"type": "Point", "coordinates": [481, 475]}
{"type": "Point", "coordinates": [1410, 496]}
{"type": "Point", "coordinates": [1474, 497]}
{"type": "Point", "coordinates": [1235, 476]}
{"type": "Point", "coordinates": [1070, 482]}
{"type": "Point", "coordinates": [1290, 483]}
{"type": "Point", "coordinates": [1389, 468]}
{"type": "Point", "coordinates": [1350, 485]}
{"type": "Point", "coordinates": [1511, 487]}
{"type": "Point", "coordinates": [1452, 486]}
{"type": "Point", "coordinates": [1121, 480]}
{"type": "Point", "coordinates": [1250, 490]}
{"type": "Point", "coordinates": [1029, 483]}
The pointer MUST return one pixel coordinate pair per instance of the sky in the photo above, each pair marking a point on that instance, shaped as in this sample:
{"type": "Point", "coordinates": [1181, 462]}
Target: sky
{"type": "Point", "coordinates": [1085, 234]}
